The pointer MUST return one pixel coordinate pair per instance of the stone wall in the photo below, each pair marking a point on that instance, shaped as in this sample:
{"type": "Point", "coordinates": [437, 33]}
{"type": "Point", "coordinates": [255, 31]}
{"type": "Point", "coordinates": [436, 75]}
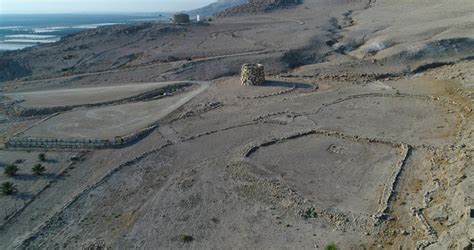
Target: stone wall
{"type": "Point", "coordinates": [26, 142]}
{"type": "Point", "coordinates": [16, 109]}
{"type": "Point", "coordinates": [252, 74]}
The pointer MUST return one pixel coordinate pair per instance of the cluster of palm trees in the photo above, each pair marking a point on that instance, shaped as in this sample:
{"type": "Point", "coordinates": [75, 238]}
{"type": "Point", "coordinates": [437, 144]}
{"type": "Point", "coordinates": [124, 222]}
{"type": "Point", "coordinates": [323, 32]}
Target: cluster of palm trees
{"type": "Point", "coordinates": [9, 188]}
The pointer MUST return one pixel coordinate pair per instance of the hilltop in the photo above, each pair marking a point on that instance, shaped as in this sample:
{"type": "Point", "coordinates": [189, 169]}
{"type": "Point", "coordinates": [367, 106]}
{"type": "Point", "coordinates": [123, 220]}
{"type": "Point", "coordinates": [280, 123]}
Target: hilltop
{"type": "Point", "coordinates": [216, 7]}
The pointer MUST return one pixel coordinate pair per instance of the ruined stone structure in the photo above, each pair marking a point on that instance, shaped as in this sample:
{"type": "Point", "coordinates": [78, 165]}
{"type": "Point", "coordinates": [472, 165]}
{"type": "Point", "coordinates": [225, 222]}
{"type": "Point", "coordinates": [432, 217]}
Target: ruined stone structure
{"type": "Point", "coordinates": [180, 18]}
{"type": "Point", "coordinates": [252, 74]}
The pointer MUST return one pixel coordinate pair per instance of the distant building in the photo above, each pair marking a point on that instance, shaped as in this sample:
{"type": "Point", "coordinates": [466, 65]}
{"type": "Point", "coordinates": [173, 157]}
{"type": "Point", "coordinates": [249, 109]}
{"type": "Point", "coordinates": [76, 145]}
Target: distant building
{"type": "Point", "coordinates": [180, 18]}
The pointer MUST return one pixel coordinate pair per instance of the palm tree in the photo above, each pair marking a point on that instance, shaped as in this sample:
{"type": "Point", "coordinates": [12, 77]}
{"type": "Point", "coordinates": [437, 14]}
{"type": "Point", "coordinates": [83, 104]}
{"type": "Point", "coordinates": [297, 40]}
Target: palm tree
{"type": "Point", "coordinates": [8, 188]}
{"type": "Point", "coordinates": [10, 170]}
{"type": "Point", "coordinates": [42, 157]}
{"type": "Point", "coordinates": [38, 169]}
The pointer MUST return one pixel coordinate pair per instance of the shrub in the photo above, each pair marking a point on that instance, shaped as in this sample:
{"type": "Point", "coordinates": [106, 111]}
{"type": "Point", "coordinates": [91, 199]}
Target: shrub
{"type": "Point", "coordinates": [8, 188]}
{"type": "Point", "coordinates": [330, 246]}
{"type": "Point", "coordinates": [186, 238]}
{"type": "Point", "coordinates": [309, 213]}
{"type": "Point", "coordinates": [42, 157]}
{"type": "Point", "coordinates": [10, 170]}
{"type": "Point", "coordinates": [38, 169]}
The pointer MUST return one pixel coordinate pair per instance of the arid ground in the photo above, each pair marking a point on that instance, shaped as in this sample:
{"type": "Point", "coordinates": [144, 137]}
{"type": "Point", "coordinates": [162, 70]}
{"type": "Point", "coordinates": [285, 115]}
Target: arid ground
{"type": "Point", "coordinates": [362, 135]}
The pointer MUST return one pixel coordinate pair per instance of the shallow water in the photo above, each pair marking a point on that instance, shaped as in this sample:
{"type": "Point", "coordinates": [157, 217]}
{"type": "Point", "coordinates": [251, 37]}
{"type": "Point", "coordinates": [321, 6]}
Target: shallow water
{"type": "Point", "coordinates": [21, 31]}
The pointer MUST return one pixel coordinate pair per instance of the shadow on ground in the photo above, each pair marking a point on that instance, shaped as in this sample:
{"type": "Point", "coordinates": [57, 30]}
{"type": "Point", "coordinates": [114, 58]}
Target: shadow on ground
{"type": "Point", "coordinates": [284, 84]}
{"type": "Point", "coordinates": [24, 196]}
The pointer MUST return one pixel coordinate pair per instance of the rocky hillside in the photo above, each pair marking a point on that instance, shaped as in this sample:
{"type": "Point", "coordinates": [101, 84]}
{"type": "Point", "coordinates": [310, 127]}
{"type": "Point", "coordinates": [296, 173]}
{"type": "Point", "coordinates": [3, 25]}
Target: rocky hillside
{"type": "Point", "coordinates": [10, 69]}
{"type": "Point", "coordinates": [257, 6]}
{"type": "Point", "coordinates": [216, 7]}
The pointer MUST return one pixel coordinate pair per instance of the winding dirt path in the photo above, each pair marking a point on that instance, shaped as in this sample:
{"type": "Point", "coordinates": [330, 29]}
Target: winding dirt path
{"type": "Point", "coordinates": [203, 59]}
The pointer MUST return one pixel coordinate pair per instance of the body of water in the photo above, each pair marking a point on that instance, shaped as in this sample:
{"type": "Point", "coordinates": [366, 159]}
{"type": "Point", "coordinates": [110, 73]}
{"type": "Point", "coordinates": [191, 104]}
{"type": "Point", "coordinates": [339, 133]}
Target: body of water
{"type": "Point", "coordinates": [21, 31]}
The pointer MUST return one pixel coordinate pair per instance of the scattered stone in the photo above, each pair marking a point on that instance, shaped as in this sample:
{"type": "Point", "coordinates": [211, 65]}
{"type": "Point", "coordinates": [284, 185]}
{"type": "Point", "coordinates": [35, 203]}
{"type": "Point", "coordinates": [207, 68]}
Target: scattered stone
{"type": "Point", "coordinates": [437, 213]}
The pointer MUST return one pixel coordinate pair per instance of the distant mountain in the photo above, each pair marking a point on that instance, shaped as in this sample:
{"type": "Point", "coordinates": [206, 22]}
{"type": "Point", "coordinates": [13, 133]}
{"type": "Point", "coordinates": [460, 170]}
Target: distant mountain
{"type": "Point", "coordinates": [216, 7]}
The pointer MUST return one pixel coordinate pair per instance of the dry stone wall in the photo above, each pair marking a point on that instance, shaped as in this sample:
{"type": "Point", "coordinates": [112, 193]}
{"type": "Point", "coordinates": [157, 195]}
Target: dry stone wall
{"type": "Point", "coordinates": [18, 110]}
{"type": "Point", "coordinates": [20, 142]}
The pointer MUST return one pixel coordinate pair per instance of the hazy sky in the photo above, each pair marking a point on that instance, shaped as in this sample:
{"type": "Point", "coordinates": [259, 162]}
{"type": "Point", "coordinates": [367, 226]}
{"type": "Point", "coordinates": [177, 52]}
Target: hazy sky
{"type": "Point", "coordinates": [102, 6]}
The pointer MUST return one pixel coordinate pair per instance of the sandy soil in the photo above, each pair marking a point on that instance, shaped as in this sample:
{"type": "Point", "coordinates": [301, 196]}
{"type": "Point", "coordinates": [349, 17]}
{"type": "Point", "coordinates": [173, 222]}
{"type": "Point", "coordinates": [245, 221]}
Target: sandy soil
{"type": "Point", "coordinates": [362, 136]}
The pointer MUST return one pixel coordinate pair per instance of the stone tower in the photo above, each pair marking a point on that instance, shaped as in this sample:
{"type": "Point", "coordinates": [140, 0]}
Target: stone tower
{"type": "Point", "coordinates": [180, 18]}
{"type": "Point", "coordinates": [252, 74]}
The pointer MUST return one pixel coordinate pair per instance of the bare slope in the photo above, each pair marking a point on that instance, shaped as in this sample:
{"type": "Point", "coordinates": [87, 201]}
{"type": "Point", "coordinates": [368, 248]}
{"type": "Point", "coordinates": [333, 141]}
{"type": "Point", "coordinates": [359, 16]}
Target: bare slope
{"type": "Point", "coordinates": [216, 7]}
{"type": "Point", "coordinates": [365, 148]}
{"type": "Point", "coordinates": [154, 47]}
{"type": "Point", "coordinates": [257, 6]}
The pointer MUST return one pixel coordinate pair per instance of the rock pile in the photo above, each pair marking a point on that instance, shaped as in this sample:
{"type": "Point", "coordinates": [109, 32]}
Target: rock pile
{"type": "Point", "coordinates": [252, 74]}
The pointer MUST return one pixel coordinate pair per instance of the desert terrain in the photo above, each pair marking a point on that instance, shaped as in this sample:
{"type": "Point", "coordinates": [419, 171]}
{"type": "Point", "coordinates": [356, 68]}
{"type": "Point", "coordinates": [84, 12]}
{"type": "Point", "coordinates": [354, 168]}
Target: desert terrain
{"type": "Point", "coordinates": [361, 137]}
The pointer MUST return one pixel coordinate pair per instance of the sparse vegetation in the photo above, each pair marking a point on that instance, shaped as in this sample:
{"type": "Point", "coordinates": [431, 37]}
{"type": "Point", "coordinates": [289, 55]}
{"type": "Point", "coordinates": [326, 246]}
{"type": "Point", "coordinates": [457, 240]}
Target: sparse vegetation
{"type": "Point", "coordinates": [38, 169]}
{"type": "Point", "coordinates": [330, 246]}
{"type": "Point", "coordinates": [10, 170]}
{"type": "Point", "coordinates": [8, 188]}
{"type": "Point", "coordinates": [361, 137]}
{"type": "Point", "coordinates": [309, 213]}
{"type": "Point", "coordinates": [186, 238]}
{"type": "Point", "coordinates": [42, 157]}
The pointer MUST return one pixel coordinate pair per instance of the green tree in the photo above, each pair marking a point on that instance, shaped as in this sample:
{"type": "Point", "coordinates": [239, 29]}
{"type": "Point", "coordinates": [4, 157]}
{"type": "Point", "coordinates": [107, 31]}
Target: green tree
{"type": "Point", "coordinates": [8, 188]}
{"type": "Point", "coordinates": [38, 169]}
{"type": "Point", "coordinates": [10, 170]}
